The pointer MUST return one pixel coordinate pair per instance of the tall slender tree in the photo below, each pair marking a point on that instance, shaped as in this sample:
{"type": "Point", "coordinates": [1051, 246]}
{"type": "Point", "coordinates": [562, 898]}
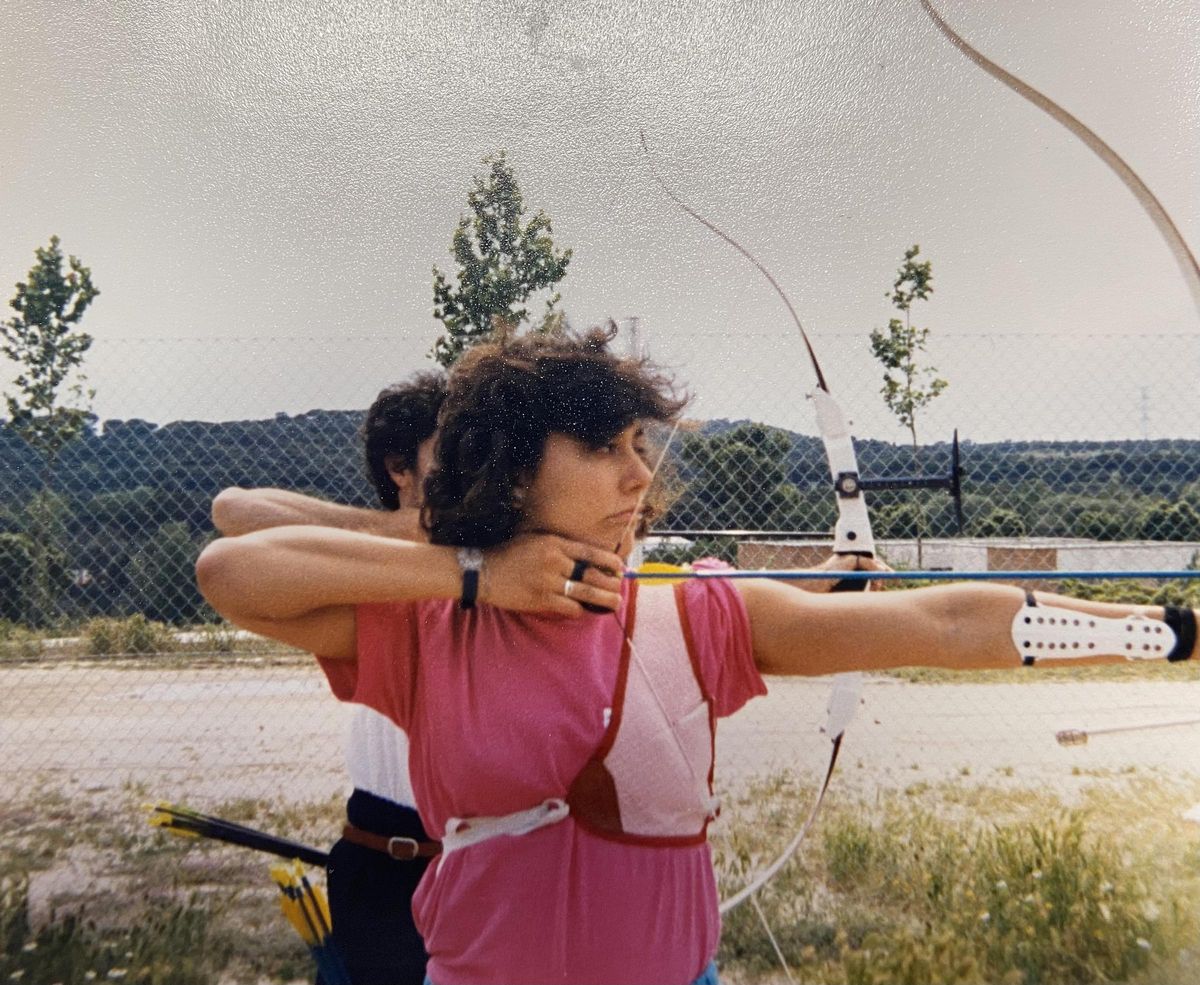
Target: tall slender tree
{"type": "Point", "coordinates": [48, 403]}
{"type": "Point", "coordinates": [908, 387]}
{"type": "Point", "coordinates": [502, 260]}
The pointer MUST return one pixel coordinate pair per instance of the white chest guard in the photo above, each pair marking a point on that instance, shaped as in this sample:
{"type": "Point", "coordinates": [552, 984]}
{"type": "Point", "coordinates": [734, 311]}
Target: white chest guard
{"type": "Point", "coordinates": [650, 780]}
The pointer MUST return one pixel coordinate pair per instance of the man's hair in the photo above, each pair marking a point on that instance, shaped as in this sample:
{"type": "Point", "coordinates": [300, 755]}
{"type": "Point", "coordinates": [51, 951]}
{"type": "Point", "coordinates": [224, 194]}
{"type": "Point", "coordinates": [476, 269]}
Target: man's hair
{"type": "Point", "coordinates": [402, 417]}
{"type": "Point", "coordinates": [505, 399]}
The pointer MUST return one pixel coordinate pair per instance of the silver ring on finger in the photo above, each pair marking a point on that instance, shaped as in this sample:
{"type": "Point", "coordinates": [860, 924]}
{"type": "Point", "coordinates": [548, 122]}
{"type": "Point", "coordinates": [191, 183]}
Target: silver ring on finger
{"type": "Point", "coordinates": [567, 586]}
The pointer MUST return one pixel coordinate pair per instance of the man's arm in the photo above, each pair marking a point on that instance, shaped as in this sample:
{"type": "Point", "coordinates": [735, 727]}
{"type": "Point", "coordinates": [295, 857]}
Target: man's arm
{"type": "Point", "coordinates": [238, 511]}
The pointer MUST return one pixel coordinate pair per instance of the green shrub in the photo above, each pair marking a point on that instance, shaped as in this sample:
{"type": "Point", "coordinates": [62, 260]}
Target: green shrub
{"type": "Point", "coordinates": [1000, 523]}
{"type": "Point", "coordinates": [218, 637]}
{"type": "Point", "coordinates": [136, 635]}
{"type": "Point", "coordinates": [171, 946]}
{"type": "Point", "coordinates": [1130, 591]}
{"type": "Point", "coordinates": [908, 894]}
{"type": "Point", "coordinates": [18, 642]}
{"type": "Point", "coordinates": [16, 571]}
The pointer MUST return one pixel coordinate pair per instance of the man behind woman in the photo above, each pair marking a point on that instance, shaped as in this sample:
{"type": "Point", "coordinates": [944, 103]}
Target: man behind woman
{"type": "Point", "coordinates": [371, 882]}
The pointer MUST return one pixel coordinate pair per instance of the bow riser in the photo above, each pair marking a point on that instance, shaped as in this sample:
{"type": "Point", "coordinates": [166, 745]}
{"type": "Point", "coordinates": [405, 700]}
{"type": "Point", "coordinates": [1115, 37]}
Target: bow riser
{"type": "Point", "coordinates": [852, 532]}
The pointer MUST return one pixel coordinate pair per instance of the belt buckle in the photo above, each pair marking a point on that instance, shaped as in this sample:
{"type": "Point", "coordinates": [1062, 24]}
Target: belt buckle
{"type": "Point", "coordinates": [409, 845]}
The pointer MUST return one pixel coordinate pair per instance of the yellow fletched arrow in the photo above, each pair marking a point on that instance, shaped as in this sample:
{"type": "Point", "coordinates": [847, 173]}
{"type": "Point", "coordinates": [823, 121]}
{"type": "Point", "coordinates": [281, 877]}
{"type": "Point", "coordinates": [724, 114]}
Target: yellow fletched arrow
{"type": "Point", "coordinates": [660, 568]}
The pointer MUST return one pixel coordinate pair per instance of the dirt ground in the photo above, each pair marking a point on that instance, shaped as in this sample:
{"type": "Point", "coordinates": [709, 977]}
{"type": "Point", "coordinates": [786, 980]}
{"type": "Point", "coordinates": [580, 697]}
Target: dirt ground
{"type": "Point", "coordinates": [213, 735]}
{"type": "Point", "coordinates": [85, 737]}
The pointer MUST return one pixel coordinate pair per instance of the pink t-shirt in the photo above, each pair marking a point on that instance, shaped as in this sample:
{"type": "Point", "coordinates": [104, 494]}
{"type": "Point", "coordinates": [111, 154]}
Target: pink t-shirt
{"type": "Point", "coordinates": [502, 710]}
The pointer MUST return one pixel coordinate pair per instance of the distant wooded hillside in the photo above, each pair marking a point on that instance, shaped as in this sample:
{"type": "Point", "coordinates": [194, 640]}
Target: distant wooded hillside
{"type": "Point", "coordinates": [131, 503]}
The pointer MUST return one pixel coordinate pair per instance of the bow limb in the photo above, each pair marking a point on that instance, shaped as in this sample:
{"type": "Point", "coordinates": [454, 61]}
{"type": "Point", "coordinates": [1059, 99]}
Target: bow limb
{"type": "Point", "coordinates": [852, 532]}
{"type": "Point", "coordinates": [717, 230]}
{"type": "Point", "coordinates": [843, 702]}
{"type": "Point", "coordinates": [1184, 257]}
{"type": "Point", "coordinates": [852, 536]}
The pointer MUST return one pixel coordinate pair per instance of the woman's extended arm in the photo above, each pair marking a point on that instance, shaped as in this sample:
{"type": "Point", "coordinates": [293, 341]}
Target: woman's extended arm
{"type": "Point", "coordinates": [961, 626]}
{"type": "Point", "coordinates": [300, 584]}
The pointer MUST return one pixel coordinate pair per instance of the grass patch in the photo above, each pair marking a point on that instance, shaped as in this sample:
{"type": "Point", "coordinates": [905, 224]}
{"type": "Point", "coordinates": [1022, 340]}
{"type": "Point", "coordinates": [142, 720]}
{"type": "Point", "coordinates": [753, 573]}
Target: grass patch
{"type": "Point", "coordinates": [134, 635]}
{"type": "Point", "coordinates": [138, 642]}
{"type": "Point", "coordinates": [93, 888]}
{"type": "Point", "coordinates": [941, 883]}
{"type": "Point", "coordinates": [173, 944]}
{"type": "Point", "coordinates": [944, 884]}
{"type": "Point", "coordinates": [1128, 672]}
{"type": "Point", "coordinates": [18, 644]}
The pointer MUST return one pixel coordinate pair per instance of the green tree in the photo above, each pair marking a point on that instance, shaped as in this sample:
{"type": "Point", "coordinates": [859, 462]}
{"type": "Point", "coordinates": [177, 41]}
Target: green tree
{"type": "Point", "coordinates": [908, 387]}
{"type": "Point", "coordinates": [716, 468]}
{"type": "Point", "coordinates": [161, 579]}
{"type": "Point", "coordinates": [1100, 525]}
{"type": "Point", "coordinates": [896, 521]}
{"type": "Point", "coordinates": [1170, 521]}
{"type": "Point", "coordinates": [502, 261]}
{"type": "Point", "coordinates": [48, 406]}
{"type": "Point", "coordinates": [16, 567]}
{"type": "Point", "coordinates": [29, 569]}
{"type": "Point", "coordinates": [1001, 522]}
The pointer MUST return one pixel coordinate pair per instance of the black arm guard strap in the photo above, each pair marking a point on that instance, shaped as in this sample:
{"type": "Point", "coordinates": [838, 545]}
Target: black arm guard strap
{"type": "Point", "coordinates": [1182, 621]}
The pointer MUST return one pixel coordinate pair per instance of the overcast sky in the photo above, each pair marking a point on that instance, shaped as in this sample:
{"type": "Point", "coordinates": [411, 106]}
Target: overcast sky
{"type": "Point", "coordinates": [292, 170]}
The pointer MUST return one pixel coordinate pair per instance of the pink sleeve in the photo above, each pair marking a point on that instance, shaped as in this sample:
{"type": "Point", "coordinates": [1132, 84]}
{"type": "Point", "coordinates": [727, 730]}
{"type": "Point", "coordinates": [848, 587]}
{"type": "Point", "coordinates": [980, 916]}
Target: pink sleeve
{"type": "Point", "coordinates": [720, 632]}
{"type": "Point", "coordinates": [383, 674]}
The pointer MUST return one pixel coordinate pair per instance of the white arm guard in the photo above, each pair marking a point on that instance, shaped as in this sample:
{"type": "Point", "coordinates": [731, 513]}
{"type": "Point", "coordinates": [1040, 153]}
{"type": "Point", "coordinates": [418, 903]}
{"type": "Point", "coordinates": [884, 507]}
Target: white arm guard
{"type": "Point", "coordinates": [1064, 634]}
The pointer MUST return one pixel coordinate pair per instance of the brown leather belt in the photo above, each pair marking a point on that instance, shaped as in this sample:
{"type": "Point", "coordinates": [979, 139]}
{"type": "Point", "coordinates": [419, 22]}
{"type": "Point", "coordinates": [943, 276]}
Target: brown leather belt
{"type": "Point", "coordinates": [404, 849]}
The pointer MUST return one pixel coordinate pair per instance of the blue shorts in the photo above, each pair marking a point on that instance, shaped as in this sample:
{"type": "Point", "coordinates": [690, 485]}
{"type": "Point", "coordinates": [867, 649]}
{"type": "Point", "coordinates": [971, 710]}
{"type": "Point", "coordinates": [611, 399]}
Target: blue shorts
{"type": "Point", "coordinates": [707, 977]}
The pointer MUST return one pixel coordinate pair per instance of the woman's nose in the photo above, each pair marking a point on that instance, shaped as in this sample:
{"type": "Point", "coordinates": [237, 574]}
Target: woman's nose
{"type": "Point", "coordinates": [638, 475]}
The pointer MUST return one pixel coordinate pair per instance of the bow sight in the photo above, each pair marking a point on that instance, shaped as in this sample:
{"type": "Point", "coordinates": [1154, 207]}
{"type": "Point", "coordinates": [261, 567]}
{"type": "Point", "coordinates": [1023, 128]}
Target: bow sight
{"type": "Point", "coordinates": [850, 485]}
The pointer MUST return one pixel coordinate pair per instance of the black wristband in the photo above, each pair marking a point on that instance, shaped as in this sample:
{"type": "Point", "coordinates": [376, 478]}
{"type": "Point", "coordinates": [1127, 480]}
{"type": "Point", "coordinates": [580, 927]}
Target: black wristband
{"type": "Point", "coordinates": [470, 589]}
{"type": "Point", "coordinates": [470, 559]}
{"type": "Point", "coordinates": [1182, 621]}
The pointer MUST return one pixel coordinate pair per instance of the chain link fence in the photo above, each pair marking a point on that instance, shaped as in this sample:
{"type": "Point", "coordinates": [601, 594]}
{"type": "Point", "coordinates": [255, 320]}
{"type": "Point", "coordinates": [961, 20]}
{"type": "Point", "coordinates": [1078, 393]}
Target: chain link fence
{"type": "Point", "coordinates": [1077, 452]}
{"type": "Point", "coordinates": [1082, 450]}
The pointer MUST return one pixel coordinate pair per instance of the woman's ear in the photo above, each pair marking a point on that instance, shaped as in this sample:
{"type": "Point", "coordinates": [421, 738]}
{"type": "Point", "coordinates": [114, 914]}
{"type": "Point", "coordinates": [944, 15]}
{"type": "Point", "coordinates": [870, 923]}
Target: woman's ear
{"type": "Point", "coordinates": [520, 489]}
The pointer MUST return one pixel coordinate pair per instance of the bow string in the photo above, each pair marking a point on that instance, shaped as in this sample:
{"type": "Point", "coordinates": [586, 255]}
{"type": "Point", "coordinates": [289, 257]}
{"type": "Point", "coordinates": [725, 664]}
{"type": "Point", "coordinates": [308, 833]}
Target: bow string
{"type": "Point", "coordinates": [852, 536]}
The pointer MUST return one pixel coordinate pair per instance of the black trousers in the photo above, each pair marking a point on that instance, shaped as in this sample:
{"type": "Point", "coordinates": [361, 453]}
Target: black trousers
{"type": "Point", "coordinates": [370, 897]}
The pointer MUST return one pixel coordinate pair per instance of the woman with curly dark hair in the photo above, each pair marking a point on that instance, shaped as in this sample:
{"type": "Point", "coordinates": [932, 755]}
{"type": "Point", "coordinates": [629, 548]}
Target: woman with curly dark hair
{"type": "Point", "coordinates": [566, 758]}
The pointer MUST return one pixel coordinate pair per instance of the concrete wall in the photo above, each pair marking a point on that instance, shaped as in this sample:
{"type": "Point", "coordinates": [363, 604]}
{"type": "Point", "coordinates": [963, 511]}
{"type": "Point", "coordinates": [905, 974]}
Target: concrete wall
{"type": "Point", "coordinates": [993, 554]}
